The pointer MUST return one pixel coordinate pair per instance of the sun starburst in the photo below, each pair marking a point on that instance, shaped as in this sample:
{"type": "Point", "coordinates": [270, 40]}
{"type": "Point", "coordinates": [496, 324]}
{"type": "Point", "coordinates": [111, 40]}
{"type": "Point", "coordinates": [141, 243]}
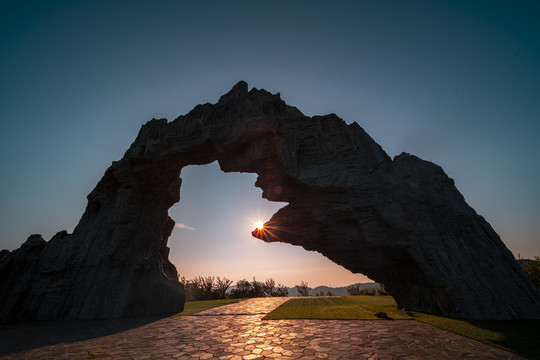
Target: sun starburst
{"type": "Point", "coordinates": [259, 224]}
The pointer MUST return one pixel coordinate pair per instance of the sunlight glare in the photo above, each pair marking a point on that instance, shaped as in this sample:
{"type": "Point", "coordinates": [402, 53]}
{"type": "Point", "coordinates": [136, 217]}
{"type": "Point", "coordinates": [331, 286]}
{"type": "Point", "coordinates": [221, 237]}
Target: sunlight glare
{"type": "Point", "coordinates": [259, 225]}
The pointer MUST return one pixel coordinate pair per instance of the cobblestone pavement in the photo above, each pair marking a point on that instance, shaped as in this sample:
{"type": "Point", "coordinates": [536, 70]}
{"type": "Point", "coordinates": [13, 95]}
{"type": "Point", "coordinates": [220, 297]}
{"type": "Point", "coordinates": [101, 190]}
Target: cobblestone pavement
{"type": "Point", "coordinates": [258, 306]}
{"type": "Point", "coordinates": [236, 332]}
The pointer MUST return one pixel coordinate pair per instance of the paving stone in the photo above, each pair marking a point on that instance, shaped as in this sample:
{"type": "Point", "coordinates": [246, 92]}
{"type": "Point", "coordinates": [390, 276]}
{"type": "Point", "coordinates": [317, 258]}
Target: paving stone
{"type": "Point", "coordinates": [236, 332]}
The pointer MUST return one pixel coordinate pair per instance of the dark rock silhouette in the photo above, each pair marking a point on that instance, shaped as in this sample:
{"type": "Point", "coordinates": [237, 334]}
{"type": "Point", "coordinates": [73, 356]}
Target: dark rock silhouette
{"type": "Point", "coordinates": [402, 222]}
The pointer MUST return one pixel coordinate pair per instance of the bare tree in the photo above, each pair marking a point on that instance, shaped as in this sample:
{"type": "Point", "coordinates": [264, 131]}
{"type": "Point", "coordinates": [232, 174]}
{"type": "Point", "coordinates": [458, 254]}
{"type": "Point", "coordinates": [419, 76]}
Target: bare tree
{"type": "Point", "coordinates": [257, 288]}
{"type": "Point", "coordinates": [221, 286]}
{"type": "Point", "coordinates": [269, 286]}
{"type": "Point", "coordinates": [207, 285]}
{"type": "Point", "coordinates": [281, 290]}
{"type": "Point", "coordinates": [303, 289]}
{"type": "Point", "coordinates": [197, 288]}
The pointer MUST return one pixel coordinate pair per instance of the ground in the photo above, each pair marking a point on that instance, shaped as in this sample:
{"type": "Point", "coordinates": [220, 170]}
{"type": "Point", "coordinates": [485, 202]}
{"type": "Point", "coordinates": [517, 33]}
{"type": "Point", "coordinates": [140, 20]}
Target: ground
{"type": "Point", "coordinates": [237, 332]}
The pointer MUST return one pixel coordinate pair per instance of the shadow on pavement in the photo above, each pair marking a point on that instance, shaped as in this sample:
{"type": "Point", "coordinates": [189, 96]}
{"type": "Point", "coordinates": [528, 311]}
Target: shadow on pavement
{"type": "Point", "coordinates": [23, 336]}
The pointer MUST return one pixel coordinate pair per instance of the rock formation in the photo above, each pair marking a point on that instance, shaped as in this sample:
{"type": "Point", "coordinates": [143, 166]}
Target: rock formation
{"type": "Point", "coordinates": [401, 222]}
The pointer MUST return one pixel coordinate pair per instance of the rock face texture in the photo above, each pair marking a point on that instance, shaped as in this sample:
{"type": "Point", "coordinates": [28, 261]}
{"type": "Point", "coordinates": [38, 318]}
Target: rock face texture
{"type": "Point", "coordinates": [402, 222]}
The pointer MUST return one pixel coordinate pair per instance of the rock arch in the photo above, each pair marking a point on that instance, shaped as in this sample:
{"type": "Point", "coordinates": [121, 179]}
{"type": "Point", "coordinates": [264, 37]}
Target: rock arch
{"type": "Point", "coordinates": [402, 222]}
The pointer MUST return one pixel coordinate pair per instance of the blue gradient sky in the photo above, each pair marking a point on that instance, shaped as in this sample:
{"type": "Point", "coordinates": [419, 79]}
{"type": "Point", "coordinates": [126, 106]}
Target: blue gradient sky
{"type": "Point", "coordinates": [453, 82]}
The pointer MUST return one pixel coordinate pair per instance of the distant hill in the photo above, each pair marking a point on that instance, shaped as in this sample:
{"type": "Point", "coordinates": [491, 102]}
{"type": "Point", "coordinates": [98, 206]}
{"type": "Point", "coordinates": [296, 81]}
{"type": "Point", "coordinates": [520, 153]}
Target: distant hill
{"type": "Point", "coordinates": [338, 291]}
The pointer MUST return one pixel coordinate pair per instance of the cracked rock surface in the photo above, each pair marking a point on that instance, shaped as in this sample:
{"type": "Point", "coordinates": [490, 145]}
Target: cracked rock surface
{"type": "Point", "coordinates": [400, 221]}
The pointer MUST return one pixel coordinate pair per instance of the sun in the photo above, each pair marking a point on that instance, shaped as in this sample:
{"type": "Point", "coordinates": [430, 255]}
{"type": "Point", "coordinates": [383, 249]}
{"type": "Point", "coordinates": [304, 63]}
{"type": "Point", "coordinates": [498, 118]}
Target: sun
{"type": "Point", "coordinates": [259, 225]}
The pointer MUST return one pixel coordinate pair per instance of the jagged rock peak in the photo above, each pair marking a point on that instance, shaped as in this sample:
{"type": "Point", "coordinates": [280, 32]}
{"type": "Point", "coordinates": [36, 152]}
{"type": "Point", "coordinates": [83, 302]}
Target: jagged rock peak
{"type": "Point", "coordinates": [238, 90]}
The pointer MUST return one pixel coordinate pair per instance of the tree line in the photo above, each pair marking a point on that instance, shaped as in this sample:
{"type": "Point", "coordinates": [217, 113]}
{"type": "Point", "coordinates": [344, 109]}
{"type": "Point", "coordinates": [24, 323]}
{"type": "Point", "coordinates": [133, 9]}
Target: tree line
{"type": "Point", "coordinates": [213, 288]}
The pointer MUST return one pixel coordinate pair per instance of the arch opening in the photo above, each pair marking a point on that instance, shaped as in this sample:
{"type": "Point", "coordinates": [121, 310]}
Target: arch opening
{"type": "Point", "coordinates": [214, 219]}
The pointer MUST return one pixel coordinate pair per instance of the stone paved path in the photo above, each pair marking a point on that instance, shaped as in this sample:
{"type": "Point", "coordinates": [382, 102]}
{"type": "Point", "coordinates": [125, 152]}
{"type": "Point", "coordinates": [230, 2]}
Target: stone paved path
{"type": "Point", "coordinates": [236, 332]}
{"type": "Point", "coordinates": [258, 306]}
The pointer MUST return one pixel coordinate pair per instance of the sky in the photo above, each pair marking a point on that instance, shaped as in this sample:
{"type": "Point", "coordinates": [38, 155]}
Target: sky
{"type": "Point", "coordinates": [453, 82]}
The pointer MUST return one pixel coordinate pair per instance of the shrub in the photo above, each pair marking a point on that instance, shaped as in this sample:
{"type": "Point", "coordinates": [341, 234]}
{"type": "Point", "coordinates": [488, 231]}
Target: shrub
{"type": "Point", "coordinates": [356, 289]}
{"type": "Point", "coordinates": [371, 292]}
{"type": "Point", "coordinates": [213, 288]}
{"type": "Point", "coordinates": [382, 290]}
{"type": "Point", "coordinates": [270, 289]}
{"type": "Point", "coordinates": [280, 290]}
{"type": "Point", "coordinates": [353, 289]}
{"type": "Point", "coordinates": [303, 289]}
{"type": "Point", "coordinates": [322, 293]}
{"type": "Point", "coordinates": [242, 290]}
{"type": "Point", "coordinates": [205, 288]}
{"type": "Point", "coordinates": [257, 288]}
{"type": "Point", "coordinates": [532, 269]}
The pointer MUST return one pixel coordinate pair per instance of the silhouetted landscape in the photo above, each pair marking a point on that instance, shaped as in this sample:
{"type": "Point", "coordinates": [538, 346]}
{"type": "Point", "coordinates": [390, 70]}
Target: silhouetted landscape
{"type": "Point", "coordinates": [359, 177]}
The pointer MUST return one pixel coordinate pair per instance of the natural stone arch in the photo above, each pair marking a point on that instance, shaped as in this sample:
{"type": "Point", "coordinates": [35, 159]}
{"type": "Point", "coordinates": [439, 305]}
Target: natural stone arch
{"type": "Point", "coordinates": [401, 222]}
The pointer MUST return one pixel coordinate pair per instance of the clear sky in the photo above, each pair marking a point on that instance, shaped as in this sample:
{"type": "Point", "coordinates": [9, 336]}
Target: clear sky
{"type": "Point", "coordinates": [453, 82]}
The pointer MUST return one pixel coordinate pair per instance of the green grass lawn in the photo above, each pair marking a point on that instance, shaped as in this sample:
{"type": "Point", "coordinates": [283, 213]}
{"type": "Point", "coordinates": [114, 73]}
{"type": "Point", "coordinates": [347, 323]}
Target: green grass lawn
{"type": "Point", "coordinates": [340, 308]}
{"type": "Point", "coordinates": [193, 307]}
{"type": "Point", "coordinates": [518, 336]}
